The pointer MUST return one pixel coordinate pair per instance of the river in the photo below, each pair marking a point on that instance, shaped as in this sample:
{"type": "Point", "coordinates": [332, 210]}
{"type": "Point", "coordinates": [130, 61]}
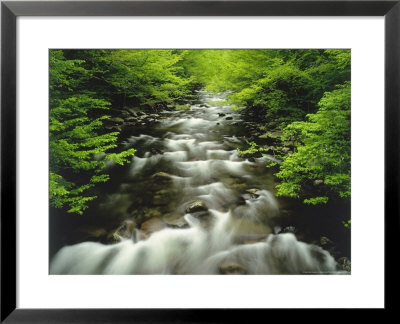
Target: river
{"type": "Point", "coordinates": [189, 204]}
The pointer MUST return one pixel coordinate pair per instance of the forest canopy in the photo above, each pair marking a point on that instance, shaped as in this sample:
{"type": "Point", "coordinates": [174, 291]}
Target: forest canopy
{"type": "Point", "coordinates": [303, 94]}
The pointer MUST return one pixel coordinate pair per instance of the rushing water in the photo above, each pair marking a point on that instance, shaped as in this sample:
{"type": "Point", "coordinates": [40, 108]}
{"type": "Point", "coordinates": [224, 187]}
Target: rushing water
{"type": "Point", "coordinates": [191, 156]}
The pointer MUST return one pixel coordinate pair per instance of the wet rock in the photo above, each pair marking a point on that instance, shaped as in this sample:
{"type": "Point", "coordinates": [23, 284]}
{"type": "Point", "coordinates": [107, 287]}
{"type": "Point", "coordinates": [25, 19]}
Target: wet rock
{"type": "Point", "coordinates": [160, 200]}
{"type": "Point", "coordinates": [163, 197]}
{"type": "Point", "coordinates": [253, 192]}
{"type": "Point", "coordinates": [204, 215]}
{"type": "Point", "coordinates": [151, 226]}
{"type": "Point", "coordinates": [117, 120]}
{"type": "Point", "coordinates": [344, 264]}
{"type": "Point", "coordinates": [221, 115]}
{"type": "Point", "coordinates": [145, 213]}
{"type": "Point", "coordinates": [151, 212]}
{"type": "Point", "coordinates": [132, 111]}
{"type": "Point", "coordinates": [131, 119]}
{"type": "Point", "coordinates": [124, 114]}
{"type": "Point", "coordinates": [177, 223]}
{"type": "Point", "coordinates": [125, 230]}
{"type": "Point", "coordinates": [247, 196]}
{"type": "Point", "coordinates": [196, 206]}
{"type": "Point", "coordinates": [288, 229]}
{"type": "Point", "coordinates": [229, 118]}
{"type": "Point", "coordinates": [256, 154]}
{"type": "Point", "coordinates": [154, 150]}
{"type": "Point", "coordinates": [232, 268]}
{"type": "Point", "coordinates": [325, 241]}
{"type": "Point", "coordinates": [162, 176]}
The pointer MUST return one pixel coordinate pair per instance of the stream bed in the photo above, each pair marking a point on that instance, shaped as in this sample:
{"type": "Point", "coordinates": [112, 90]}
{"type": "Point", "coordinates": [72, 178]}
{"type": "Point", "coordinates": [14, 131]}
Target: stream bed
{"type": "Point", "coordinates": [190, 204]}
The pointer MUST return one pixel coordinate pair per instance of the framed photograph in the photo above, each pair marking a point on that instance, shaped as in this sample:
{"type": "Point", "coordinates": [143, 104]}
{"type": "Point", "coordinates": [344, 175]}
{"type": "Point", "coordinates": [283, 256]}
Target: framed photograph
{"type": "Point", "coordinates": [188, 161]}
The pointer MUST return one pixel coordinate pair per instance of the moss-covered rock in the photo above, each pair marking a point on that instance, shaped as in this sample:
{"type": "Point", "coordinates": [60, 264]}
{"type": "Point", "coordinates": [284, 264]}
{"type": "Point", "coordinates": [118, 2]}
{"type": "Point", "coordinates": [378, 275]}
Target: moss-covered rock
{"type": "Point", "coordinates": [196, 206]}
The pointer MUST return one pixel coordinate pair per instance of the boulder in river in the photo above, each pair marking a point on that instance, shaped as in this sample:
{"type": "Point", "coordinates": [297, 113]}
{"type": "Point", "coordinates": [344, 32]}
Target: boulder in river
{"type": "Point", "coordinates": [229, 118]}
{"type": "Point", "coordinates": [125, 230]}
{"type": "Point", "coordinates": [162, 176]}
{"type": "Point", "coordinates": [152, 225]}
{"type": "Point", "coordinates": [253, 192]}
{"type": "Point", "coordinates": [248, 154]}
{"type": "Point", "coordinates": [131, 119]}
{"type": "Point", "coordinates": [232, 268]}
{"type": "Point", "coordinates": [175, 221]}
{"type": "Point", "coordinates": [142, 214]}
{"type": "Point", "coordinates": [164, 197]}
{"type": "Point", "coordinates": [247, 196]}
{"type": "Point", "coordinates": [196, 206]}
{"type": "Point", "coordinates": [325, 241]}
{"type": "Point", "coordinates": [344, 264]}
{"type": "Point", "coordinates": [132, 111]}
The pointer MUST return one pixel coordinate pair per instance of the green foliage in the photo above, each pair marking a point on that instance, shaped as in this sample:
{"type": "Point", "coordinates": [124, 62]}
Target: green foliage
{"type": "Point", "coordinates": [316, 200]}
{"type": "Point", "coordinates": [284, 88]}
{"type": "Point", "coordinates": [182, 107]}
{"type": "Point", "coordinates": [77, 136]}
{"type": "Point", "coordinates": [254, 148]}
{"type": "Point", "coordinates": [147, 77]}
{"type": "Point", "coordinates": [347, 224]}
{"type": "Point", "coordinates": [295, 91]}
{"type": "Point", "coordinates": [138, 78]}
{"type": "Point", "coordinates": [282, 85]}
{"type": "Point", "coordinates": [252, 151]}
{"type": "Point", "coordinates": [324, 152]}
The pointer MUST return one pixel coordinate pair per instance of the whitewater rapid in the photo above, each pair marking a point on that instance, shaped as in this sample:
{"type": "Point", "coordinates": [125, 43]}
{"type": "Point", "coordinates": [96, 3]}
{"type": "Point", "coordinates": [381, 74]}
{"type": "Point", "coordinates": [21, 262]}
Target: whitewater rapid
{"type": "Point", "coordinates": [196, 149]}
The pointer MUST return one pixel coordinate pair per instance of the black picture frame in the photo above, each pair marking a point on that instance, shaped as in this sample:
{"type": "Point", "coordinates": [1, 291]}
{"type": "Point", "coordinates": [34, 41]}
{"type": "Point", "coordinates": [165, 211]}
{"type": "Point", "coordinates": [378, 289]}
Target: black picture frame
{"type": "Point", "coordinates": [10, 10]}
